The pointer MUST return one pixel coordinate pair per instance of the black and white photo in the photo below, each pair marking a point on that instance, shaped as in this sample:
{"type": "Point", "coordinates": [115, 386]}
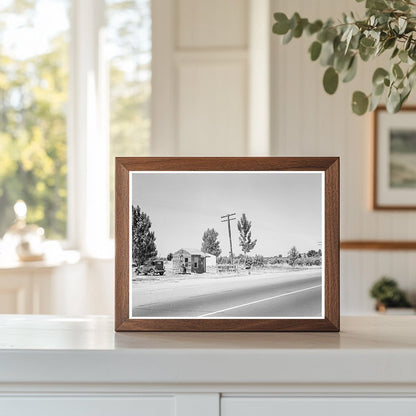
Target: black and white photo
{"type": "Point", "coordinates": [229, 244]}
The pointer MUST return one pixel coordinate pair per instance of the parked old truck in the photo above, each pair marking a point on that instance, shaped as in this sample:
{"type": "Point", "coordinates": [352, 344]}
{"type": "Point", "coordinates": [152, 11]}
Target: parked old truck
{"type": "Point", "coordinates": [151, 267]}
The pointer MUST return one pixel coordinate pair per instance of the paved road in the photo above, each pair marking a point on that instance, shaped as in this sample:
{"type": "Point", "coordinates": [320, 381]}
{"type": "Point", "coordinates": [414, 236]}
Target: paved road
{"type": "Point", "coordinates": [300, 296]}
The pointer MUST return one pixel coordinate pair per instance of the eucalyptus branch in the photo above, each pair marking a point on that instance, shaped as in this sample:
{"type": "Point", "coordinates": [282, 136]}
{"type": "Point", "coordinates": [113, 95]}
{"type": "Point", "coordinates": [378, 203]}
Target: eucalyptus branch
{"type": "Point", "coordinates": [388, 25]}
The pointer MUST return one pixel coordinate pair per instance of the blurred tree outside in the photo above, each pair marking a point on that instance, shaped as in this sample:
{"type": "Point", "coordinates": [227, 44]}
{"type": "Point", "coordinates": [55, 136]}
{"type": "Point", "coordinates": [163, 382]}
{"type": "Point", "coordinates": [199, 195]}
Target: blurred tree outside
{"type": "Point", "coordinates": [34, 73]}
{"type": "Point", "coordinates": [129, 51]}
{"type": "Point", "coordinates": [33, 100]}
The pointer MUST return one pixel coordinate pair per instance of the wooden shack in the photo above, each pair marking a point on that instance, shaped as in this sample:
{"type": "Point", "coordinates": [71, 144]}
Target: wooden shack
{"type": "Point", "coordinates": [189, 260]}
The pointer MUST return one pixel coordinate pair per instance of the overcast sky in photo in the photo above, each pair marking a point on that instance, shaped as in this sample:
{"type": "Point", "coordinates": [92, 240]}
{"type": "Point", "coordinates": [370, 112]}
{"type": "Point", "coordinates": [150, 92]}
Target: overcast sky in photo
{"type": "Point", "coordinates": [285, 208]}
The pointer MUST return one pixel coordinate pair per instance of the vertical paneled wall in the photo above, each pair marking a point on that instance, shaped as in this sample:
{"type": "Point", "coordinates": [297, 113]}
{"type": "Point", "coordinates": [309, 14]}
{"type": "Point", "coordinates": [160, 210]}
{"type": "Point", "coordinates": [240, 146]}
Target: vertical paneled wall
{"type": "Point", "coordinates": [211, 93]}
{"type": "Point", "coordinates": [306, 121]}
{"type": "Point", "coordinates": [206, 64]}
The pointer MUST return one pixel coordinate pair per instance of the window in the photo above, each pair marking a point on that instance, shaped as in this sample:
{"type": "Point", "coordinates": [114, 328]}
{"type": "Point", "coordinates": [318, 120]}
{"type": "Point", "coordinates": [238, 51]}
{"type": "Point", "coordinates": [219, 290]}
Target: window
{"type": "Point", "coordinates": [129, 45]}
{"type": "Point", "coordinates": [75, 87]}
{"type": "Point", "coordinates": [33, 103]}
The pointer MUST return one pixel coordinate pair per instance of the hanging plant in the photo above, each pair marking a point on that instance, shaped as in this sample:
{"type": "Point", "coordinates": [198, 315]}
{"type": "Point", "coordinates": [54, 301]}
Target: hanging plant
{"type": "Point", "coordinates": [389, 27]}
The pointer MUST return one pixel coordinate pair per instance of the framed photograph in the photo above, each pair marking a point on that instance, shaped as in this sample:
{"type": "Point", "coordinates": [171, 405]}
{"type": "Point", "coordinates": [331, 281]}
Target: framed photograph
{"type": "Point", "coordinates": [227, 244]}
{"type": "Point", "coordinates": [394, 183]}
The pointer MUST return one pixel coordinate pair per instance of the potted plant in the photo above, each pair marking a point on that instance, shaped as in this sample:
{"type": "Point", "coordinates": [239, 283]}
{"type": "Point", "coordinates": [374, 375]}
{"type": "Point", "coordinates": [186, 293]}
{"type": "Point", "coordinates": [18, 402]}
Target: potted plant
{"type": "Point", "coordinates": [387, 294]}
{"type": "Point", "coordinates": [389, 27]}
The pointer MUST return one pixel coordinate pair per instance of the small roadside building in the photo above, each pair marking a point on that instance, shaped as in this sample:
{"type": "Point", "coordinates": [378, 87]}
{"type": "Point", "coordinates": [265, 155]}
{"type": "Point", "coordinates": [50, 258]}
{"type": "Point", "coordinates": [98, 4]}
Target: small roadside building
{"type": "Point", "coordinates": [189, 260]}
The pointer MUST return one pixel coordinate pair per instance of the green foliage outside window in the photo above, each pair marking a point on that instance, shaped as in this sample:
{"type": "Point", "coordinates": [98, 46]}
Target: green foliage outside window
{"type": "Point", "coordinates": [33, 99]}
{"type": "Point", "coordinates": [129, 39]}
{"type": "Point", "coordinates": [34, 103]}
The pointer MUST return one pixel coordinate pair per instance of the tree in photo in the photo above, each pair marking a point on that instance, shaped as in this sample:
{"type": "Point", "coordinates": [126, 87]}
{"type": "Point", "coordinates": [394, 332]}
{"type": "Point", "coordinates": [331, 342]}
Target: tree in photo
{"type": "Point", "coordinates": [210, 243]}
{"type": "Point", "coordinates": [143, 240]}
{"type": "Point", "coordinates": [169, 257]}
{"type": "Point", "coordinates": [292, 256]}
{"type": "Point", "coordinates": [246, 243]}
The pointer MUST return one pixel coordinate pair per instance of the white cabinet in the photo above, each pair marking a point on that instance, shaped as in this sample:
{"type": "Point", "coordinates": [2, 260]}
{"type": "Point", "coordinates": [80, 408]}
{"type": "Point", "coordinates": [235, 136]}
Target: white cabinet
{"type": "Point", "coordinates": [88, 406]}
{"type": "Point", "coordinates": [39, 287]}
{"type": "Point", "coordinates": [79, 366]}
{"type": "Point", "coordinates": [65, 286]}
{"type": "Point", "coordinates": [271, 406]}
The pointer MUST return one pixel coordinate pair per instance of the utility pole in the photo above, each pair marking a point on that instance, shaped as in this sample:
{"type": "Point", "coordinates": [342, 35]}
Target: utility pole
{"type": "Point", "coordinates": [228, 218]}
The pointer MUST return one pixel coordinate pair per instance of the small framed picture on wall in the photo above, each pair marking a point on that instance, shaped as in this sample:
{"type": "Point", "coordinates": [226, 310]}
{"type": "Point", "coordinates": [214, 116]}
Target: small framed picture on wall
{"type": "Point", "coordinates": [394, 159]}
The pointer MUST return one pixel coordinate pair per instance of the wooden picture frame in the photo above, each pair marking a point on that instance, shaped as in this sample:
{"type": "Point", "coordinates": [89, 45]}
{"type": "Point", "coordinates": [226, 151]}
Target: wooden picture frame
{"type": "Point", "coordinates": [149, 172]}
{"type": "Point", "coordinates": [394, 184]}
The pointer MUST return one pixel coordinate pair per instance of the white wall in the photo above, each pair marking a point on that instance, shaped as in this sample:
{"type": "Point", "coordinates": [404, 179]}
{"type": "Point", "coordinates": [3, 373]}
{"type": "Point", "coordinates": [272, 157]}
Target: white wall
{"type": "Point", "coordinates": [308, 122]}
{"type": "Point", "coordinates": [211, 92]}
{"type": "Point", "coordinates": [217, 79]}
{"type": "Point", "coordinates": [200, 77]}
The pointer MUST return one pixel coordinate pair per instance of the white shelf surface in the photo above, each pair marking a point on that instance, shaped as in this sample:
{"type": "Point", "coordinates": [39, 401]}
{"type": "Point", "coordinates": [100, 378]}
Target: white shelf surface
{"type": "Point", "coordinates": [53, 349]}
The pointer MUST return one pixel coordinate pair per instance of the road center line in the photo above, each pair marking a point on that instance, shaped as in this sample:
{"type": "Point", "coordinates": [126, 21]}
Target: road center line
{"type": "Point", "coordinates": [258, 301]}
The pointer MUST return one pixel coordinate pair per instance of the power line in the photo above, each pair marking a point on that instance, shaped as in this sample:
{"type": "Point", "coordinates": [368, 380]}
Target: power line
{"type": "Point", "coordinates": [227, 218]}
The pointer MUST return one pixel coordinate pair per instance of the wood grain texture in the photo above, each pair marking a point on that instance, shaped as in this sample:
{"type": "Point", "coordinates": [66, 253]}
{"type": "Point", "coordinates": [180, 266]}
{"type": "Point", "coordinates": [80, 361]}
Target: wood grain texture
{"type": "Point", "coordinates": [376, 204]}
{"type": "Point", "coordinates": [332, 226]}
{"type": "Point", "coordinates": [121, 244]}
{"type": "Point", "coordinates": [330, 165]}
{"type": "Point", "coordinates": [378, 245]}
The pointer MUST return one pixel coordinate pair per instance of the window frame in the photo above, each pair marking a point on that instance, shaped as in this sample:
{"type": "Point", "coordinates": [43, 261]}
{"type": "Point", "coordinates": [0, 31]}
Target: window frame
{"type": "Point", "coordinates": [87, 128]}
{"type": "Point", "coordinates": [87, 133]}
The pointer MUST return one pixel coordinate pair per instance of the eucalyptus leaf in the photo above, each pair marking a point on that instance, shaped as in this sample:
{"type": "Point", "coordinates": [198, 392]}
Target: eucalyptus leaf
{"type": "Point", "coordinates": [327, 54]}
{"type": "Point", "coordinates": [411, 71]}
{"type": "Point", "coordinates": [389, 43]}
{"type": "Point", "coordinates": [376, 36]}
{"type": "Point", "coordinates": [412, 52]}
{"type": "Point", "coordinates": [355, 41]}
{"type": "Point", "coordinates": [397, 71]}
{"type": "Point", "coordinates": [408, 42]}
{"type": "Point", "coordinates": [395, 52]}
{"type": "Point", "coordinates": [393, 101]}
{"type": "Point", "coordinates": [346, 34]}
{"type": "Point", "coordinates": [353, 30]}
{"type": "Point", "coordinates": [298, 30]}
{"type": "Point", "coordinates": [330, 80]}
{"type": "Point", "coordinates": [379, 75]}
{"type": "Point", "coordinates": [350, 18]}
{"type": "Point", "coordinates": [288, 37]}
{"type": "Point", "coordinates": [281, 27]}
{"type": "Point", "coordinates": [341, 62]}
{"type": "Point", "coordinates": [376, 4]}
{"type": "Point", "coordinates": [294, 20]}
{"type": "Point", "coordinates": [314, 27]}
{"type": "Point", "coordinates": [378, 89]}
{"type": "Point", "coordinates": [394, 25]}
{"type": "Point", "coordinates": [366, 53]}
{"type": "Point", "coordinates": [351, 70]}
{"type": "Point", "coordinates": [403, 56]}
{"type": "Point", "coordinates": [367, 42]}
{"type": "Point", "coordinates": [374, 102]}
{"type": "Point", "coordinates": [400, 5]}
{"type": "Point", "coordinates": [402, 22]}
{"type": "Point", "coordinates": [322, 36]}
{"type": "Point", "coordinates": [388, 24]}
{"type": "Point", "coordinates": [411, 78]}
{"type": "Point", "coordinates": [359, 103]}
{"type": "Point", "coordinates": [315, 50]}
{"type": "Point", "coordinates": [404, 96]}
